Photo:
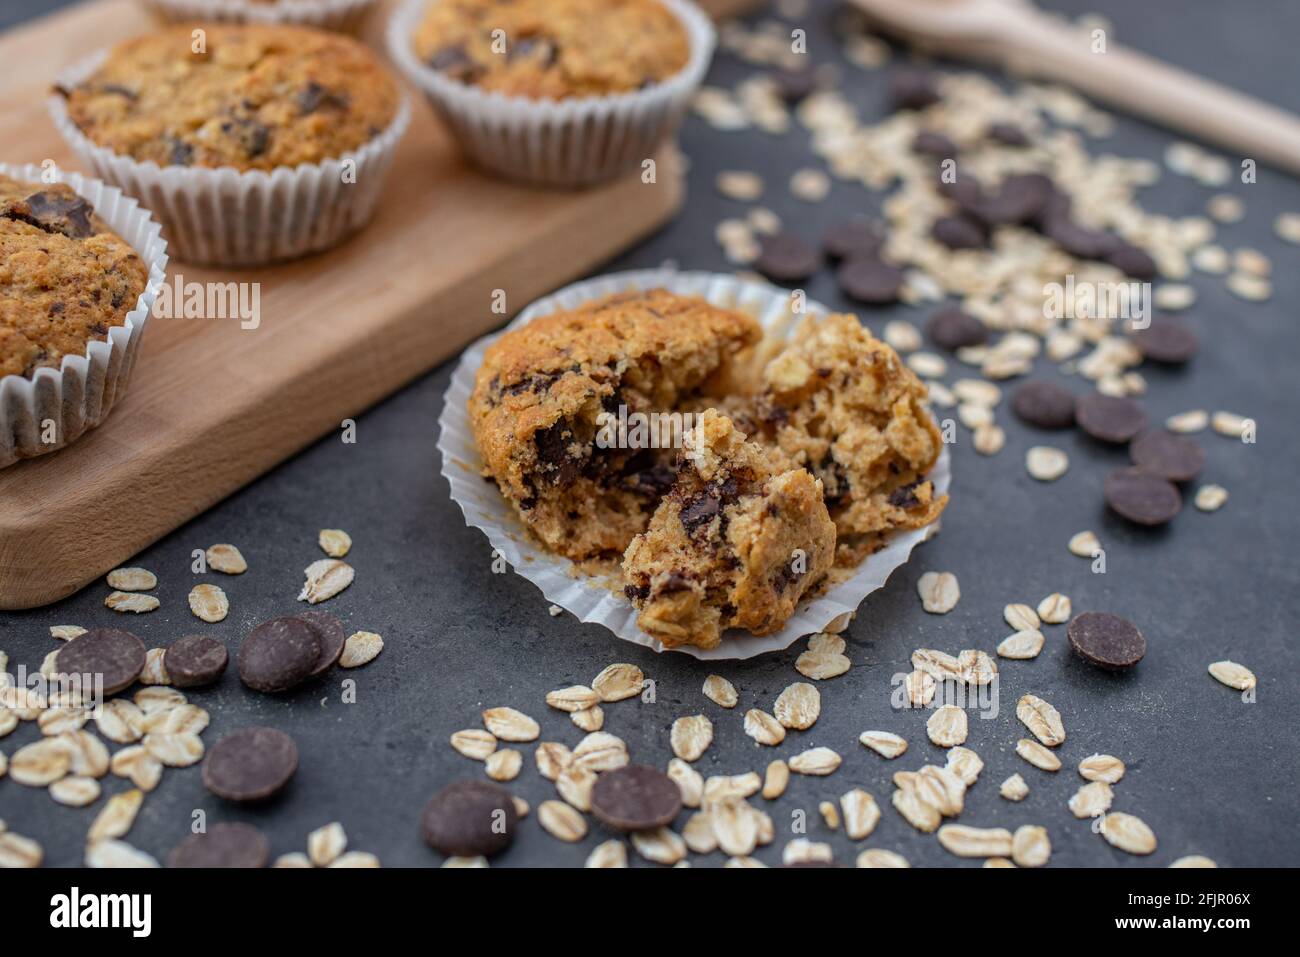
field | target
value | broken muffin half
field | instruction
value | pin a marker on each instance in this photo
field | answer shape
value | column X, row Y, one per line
column 734, row 543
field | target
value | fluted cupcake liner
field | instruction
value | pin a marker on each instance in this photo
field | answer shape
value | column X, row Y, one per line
column 572, row 142
column 591, row 600
column 81, row 392
column 230, row 217
column 342, row 15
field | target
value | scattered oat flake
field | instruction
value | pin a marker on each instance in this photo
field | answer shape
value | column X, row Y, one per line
column 1233, row 675
column 1021, row 646
column 226, row 559
column 361, row 648
column 1041, row 719
column 130, row 602
column 720, row 691
column 17, row 851
column 66, row 632
column 939, row 592
column 1128, row 833
column 764, row 728
column 947, row 727
column 618, row 681
column 571, row 699
column 920, row 688
column 691, row 736
column 507, row 724
column 552, row 758
column 823, row 662
column 474, row 743
column 75, row 790
column 739, row 185
column 1210, row 498
column 117, row 816
column 815, row 761
column 589, row 719
column 803, row 851
column 885, row 743
column 1037, row 755
column 562, row 821
column 1045, row 463
column 861, row 814
column 139, row 766
column 689, row 781
column 1187, row 423
column 325, row 579
column 334, row 542
column 879, row 857
column 1084, row 544
column 1197, row 860
column 504, row 765
column 555, row 611
column 1091, row 800
column 112, row 853
column 776, row 779
column 989, row 439
column 1231, row 424
column 209, row 603
column 1101, row 767
column 798, row 706
column 1020, row 617
column 132, row 579
column 1014, row 788
column 967, row 841
column 1030, row 846
column 601, row 751
column 468, row 863
column 40, row 763
column 356, row 860
column 1055, row 609
column 659, row 846
column 1287, row 227
column 175, row 750
column 326, row 843
column 612, row 853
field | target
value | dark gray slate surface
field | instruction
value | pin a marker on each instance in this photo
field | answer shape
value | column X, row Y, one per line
column 1209, row 773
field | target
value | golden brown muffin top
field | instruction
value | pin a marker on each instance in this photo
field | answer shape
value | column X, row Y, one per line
column 553, row 49
column 65, row 277
column 248, row 96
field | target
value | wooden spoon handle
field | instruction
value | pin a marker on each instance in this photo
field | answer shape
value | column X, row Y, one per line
column 1031, row 43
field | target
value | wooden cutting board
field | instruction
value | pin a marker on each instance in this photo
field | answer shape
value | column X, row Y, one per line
column 212, row 406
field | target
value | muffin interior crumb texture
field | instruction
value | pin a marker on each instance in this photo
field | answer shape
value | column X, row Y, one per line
column 65, row 278
column 553, row 49
column 244, row 96
column 758, row 466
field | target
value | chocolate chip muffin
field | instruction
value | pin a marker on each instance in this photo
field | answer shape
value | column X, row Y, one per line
column 549, row 396
column 253, row 97
column 841, row 403
column 553, row 49
column 735, row 543
column 65, row 277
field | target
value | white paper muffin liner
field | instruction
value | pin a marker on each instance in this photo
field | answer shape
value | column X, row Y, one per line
column 571, row 142
column 230, row 217
column 486, row 509
column 79, row 394
column 343, row 15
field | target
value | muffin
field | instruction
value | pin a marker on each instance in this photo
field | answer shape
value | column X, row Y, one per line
column 545, row 393
column 734, row 543
column 239, row 147
column 559, row 92
column 553, row 49
column 326, row 14
column 74, row 298
column 842, row 404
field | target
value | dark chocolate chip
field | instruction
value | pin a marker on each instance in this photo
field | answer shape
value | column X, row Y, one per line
column 929, row 143
column 1019, row 199
column 222, row 845
column 553, row 450
column 635, row 798
column 470, row 818
column 182, row 153
column 959, row 231
column 1078, row 240
column 1043, row 404
column 699, row 512
column 455, row 62
column 1109, row 418
column 250, row 764
column 537, row 48
column 794, row 85
column 1132, row 261
column 1142, row 497
column 118, row 656
column 1162, row 453
column 57, row 213
column 949, row 327
column 252, row 136
column 331, row 635
column 912, row 89
column 1106, row 640
column 1167, row 341
column 194, row 661
column 869, row 280
column 278, row 654
column 315, row 97
column 1008, row 134
column 785, row 258
column 850, row 238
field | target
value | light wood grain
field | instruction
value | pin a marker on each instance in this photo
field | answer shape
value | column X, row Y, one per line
column 212, row 406
column 1016, row 36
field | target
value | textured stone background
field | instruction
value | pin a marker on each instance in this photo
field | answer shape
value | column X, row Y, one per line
column 1209, row 774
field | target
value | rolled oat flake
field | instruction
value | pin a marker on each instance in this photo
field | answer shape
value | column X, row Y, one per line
column 636, row 798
